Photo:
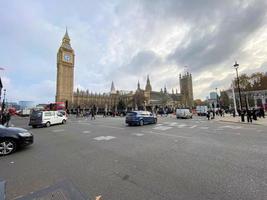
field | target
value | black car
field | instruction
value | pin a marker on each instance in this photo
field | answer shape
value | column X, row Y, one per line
column 12, row 138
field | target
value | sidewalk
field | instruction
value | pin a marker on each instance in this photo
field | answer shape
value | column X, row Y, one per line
column 237, row 119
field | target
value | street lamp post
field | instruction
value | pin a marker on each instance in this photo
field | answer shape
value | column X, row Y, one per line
column 240, row 99
column 216, row 97
column 4, row 100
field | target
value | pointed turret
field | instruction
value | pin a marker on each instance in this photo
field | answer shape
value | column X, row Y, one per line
column 66, row 41
column 66, row 36
column 138, row 86
column 112, row 90
column 148, row 85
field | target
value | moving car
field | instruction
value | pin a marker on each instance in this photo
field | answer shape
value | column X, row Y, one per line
column 12, row 138
column 183, row 113
column 202, row 110
column 46, row 118
column 140, row 118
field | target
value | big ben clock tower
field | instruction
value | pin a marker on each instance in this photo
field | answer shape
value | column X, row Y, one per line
column 65, row 71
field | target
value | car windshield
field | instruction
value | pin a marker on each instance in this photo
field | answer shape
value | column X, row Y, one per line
column 36, row 114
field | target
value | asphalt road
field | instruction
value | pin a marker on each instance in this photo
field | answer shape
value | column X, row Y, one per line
column 175, row 159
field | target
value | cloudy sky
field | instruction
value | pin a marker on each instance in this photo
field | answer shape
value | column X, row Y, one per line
column 124, row 41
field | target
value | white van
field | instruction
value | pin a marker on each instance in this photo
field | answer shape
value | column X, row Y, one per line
column 46, row 118
column 183, row 113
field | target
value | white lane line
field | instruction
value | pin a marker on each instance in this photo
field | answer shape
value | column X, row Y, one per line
column 193, row 126
column 86, row 131
column 138, row 134
column 106, row 138
column 204, row 127
column 159, row 124
column 166, row 134
column 162, row 128
column 112, row 127
column 181, row 125
column 58, row 130
column 231, row 127
column 170, row 135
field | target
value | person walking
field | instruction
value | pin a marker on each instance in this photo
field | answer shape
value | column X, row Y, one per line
column 249, row 119
column 92, row 114
column 208, row 115
column 3, row 121
column 8, row 117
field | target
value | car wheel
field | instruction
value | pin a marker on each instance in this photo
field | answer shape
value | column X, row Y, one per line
column 47, row 124
column 34, row 126
column 64, row 121
column 155, row 121
column 141, row 123
column 7, row 147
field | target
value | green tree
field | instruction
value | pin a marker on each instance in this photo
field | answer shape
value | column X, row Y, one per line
column 224, row 99
column 121, row 105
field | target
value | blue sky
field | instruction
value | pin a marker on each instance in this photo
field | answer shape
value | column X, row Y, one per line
column 124, row 41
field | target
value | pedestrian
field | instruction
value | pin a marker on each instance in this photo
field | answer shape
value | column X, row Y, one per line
column 208, row 115
column 3, row 121
column 92, row 114
column 262, row 114
column 254, row 116
column 249, row 119
column 8, row 117
column 213, row 114
column 233, row 113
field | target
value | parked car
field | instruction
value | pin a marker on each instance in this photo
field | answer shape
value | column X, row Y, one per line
column 140, row 118
column 183, row 113
column 46, row 118
column 12, row 138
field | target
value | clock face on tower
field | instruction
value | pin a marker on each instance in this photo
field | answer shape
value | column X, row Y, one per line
column 67, row 57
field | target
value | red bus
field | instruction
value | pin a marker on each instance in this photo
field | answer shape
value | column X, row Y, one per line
column 56, row 106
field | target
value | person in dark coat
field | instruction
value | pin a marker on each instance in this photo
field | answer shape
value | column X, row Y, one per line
column 249, row 119
column 208, row 115
column 8, row 117
column 254, row 115
column 3, row 121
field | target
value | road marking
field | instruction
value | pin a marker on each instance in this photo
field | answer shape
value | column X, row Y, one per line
column 166, row 134
column 104, row 138
column 112, row 127
column 86, row 131
column 181, row 125
column 170, row 135
column 58, row 130
column 231, row 127
column 204, row 127
column 162, row 128
column 172, row 123
column 138, row 134
column 193, row 126
column 159, row 124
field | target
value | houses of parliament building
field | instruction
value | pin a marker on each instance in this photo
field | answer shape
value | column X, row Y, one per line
column 139, row 99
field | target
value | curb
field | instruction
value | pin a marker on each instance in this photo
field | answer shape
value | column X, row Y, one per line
column 245, row 123
column 2, row 190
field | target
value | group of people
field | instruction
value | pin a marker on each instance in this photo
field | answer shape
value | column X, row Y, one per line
column 5, row 118
column 211, row 113
column 252, row 114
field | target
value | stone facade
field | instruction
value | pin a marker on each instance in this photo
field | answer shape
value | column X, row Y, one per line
column 139, row 99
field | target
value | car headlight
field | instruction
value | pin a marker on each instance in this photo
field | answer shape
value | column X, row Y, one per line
column 25, row 134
